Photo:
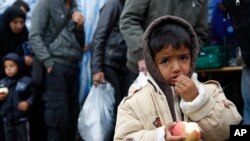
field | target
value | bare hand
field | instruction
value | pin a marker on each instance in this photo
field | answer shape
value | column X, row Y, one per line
column 28, row 60
column 78, row 18
column 3, row 96
column 186, row 88
column 85, row 48
column 49, row 70
column 23, row 106
column 98, row 78
column 142, row 66
column 169, row 137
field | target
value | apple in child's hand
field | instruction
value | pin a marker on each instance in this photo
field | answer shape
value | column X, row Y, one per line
column 190, row 130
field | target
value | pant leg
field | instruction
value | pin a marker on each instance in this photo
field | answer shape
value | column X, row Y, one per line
column 61, row 108
column 118, row 80
column 22, row 130
column 245, row 90
column 1, row 128
column 9, row 132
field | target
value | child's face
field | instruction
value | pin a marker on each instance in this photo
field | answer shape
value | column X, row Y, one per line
column 10, row 68
column 173, row 62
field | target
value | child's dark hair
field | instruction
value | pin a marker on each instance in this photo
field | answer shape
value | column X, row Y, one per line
column 167, row 34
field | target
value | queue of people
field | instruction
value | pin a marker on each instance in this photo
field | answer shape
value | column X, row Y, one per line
column 159, row 38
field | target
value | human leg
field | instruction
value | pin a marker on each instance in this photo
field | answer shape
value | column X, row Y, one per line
column 60, row 115
column 245, row 90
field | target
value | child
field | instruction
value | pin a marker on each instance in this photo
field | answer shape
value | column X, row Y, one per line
column 17, row 95
column 170, row 51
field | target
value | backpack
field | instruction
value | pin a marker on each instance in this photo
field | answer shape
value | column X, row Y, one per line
column 239, row 11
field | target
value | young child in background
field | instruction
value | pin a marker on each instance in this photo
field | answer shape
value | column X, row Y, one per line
column 17, row 95
column 171, row 94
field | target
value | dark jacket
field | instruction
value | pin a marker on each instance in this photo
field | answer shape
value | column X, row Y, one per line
column 239, row 13
column 20, row 89
column 109, row 47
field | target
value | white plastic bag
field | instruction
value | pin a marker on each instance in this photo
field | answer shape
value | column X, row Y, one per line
column 96, row 120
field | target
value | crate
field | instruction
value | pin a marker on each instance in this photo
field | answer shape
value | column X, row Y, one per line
column 211, row 57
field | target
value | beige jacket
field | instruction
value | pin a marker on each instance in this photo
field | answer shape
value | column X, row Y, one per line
column 138, row 113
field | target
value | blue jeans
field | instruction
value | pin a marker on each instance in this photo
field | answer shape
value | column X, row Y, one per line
column 245, row 90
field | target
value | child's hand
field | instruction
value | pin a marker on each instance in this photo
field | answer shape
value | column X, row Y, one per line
column 169, row 137
column 23, row 106
column 186, row 88
column 3, row 96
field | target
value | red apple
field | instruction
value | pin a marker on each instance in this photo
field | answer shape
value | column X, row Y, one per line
column 190, row 130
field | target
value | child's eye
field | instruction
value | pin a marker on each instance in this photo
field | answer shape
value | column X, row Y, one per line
column 164, row 61
column 184, row 58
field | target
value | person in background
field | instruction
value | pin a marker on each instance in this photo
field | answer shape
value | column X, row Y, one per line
column 109, row 51
column 239, row 11
column 171, row 93
column 17, row 100
column 13, row 32
column 138, row 14
column 55, row 41
column 91, row 11
column 22, row 5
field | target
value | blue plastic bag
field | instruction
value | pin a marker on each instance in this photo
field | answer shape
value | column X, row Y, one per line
column 96, row 120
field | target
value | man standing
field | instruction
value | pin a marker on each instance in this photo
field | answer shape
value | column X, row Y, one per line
column 239, row 12
column 138, row 14
column 55, row 26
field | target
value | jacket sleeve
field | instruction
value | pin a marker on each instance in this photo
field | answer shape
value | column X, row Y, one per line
column 129, row 127
column 108, row 17
column 131, row 28
column 39, row 20
column 216, row 115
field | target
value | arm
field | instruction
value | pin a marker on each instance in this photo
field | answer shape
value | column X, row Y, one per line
column 216, row 114
column 39, row 22
column 108, row 17
column 131, row 21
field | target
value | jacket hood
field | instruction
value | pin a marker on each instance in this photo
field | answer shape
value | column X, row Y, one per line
column 151, row 66
column 16, row 58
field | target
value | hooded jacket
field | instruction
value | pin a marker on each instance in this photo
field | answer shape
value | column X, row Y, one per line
column 143, row 115
column 20, row 89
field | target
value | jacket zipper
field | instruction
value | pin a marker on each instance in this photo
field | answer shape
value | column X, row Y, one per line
column 237, row 2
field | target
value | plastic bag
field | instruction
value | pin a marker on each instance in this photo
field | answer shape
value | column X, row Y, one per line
column 96, row 120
